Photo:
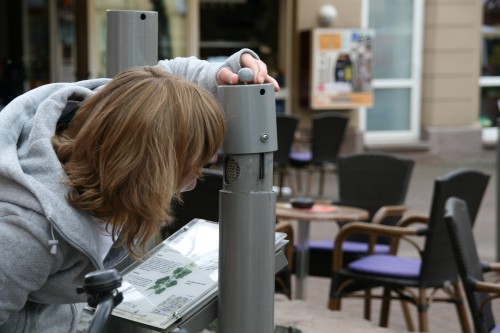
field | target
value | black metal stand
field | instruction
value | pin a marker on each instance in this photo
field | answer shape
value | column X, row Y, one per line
column 101, row 288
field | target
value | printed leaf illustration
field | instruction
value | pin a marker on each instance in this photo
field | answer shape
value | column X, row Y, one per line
column 181, row 272
column 159, row 291
column 163, row 283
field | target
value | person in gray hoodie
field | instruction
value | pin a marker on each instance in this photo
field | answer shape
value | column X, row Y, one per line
column 88, row 171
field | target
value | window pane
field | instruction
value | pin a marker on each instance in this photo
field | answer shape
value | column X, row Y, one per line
column 491, row 55
column 490, row 63
column 225, row 29
column 491, row 12
column 392, row 21
column 490, row 97
column 391, row 110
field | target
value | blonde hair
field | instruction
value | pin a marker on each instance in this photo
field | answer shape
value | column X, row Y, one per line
column 131, row 145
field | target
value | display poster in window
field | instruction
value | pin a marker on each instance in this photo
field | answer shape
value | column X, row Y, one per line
column 341, row 73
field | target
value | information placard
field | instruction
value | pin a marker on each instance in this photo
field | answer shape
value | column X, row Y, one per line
column 175, row 277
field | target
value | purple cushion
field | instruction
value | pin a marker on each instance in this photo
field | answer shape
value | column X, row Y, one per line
column 348, row 246
column 389, row 265
column 496, row 329
column 301, row 156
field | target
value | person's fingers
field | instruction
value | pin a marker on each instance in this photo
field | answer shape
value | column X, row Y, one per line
column 270, row 79
column 258, row 67
column 226, row 76
column 261, row 75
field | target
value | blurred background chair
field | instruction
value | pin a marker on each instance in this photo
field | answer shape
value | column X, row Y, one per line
column 373, row 181
column 286, row 125
column 471, row 270
column 327, row 135
column 409, row 279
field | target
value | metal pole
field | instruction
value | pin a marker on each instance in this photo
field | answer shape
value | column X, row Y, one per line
column 247, row 211
column 131, row 40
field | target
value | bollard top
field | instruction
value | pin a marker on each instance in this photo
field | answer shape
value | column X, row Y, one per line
column 245, row 75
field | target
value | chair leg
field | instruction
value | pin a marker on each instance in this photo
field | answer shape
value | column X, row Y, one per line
column 291, row 182
column 368, row 304
column 309, row 181
column 461, row 309
column 281, row 180
column 422, row 306
column 321, row 186
column 336, row 287
column 406, row 312
column 299, row 179
column 386, row 307
column 335, row 303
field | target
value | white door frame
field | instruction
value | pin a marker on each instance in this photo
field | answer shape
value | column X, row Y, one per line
column 414, row 83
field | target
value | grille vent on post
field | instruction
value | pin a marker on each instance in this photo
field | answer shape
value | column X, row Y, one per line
column 231, row 170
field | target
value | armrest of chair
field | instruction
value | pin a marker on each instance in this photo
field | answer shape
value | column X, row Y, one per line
column 488, row 287
column 490, row 266
column 493, row 289
column 412, row 219
column 394, row 232
column 386, row 211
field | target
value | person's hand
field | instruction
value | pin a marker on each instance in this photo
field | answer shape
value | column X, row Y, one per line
column 258, row 67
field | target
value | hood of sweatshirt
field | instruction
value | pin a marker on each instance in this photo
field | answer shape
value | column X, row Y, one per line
column 31, row 176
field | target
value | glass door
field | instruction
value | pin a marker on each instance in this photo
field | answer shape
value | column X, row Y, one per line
column 397, row 59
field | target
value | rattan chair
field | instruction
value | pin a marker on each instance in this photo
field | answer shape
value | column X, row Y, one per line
column 375, row 181
column 410, row 279
column 286, row 125
column 327, row 134
column 471, row 270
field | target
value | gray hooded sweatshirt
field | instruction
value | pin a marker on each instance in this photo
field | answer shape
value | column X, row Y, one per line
column 46, row 245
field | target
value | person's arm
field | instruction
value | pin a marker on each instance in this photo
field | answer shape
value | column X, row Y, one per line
column 210, row 75
column 25, row 265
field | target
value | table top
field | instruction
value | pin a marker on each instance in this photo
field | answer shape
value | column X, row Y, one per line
column 321, row 212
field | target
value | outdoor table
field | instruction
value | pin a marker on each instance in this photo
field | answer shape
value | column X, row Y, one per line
column 319, row 212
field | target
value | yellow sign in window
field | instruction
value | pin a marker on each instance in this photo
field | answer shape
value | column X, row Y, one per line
column 330, row 41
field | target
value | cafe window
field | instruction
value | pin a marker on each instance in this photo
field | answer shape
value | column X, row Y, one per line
column 489, row 83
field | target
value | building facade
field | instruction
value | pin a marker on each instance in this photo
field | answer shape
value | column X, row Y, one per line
column 435, row 82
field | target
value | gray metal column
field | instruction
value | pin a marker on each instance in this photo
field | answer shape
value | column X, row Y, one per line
column 247, row 211
column 131, row 40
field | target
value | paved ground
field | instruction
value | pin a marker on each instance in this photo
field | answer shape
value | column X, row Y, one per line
column 443, row 318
